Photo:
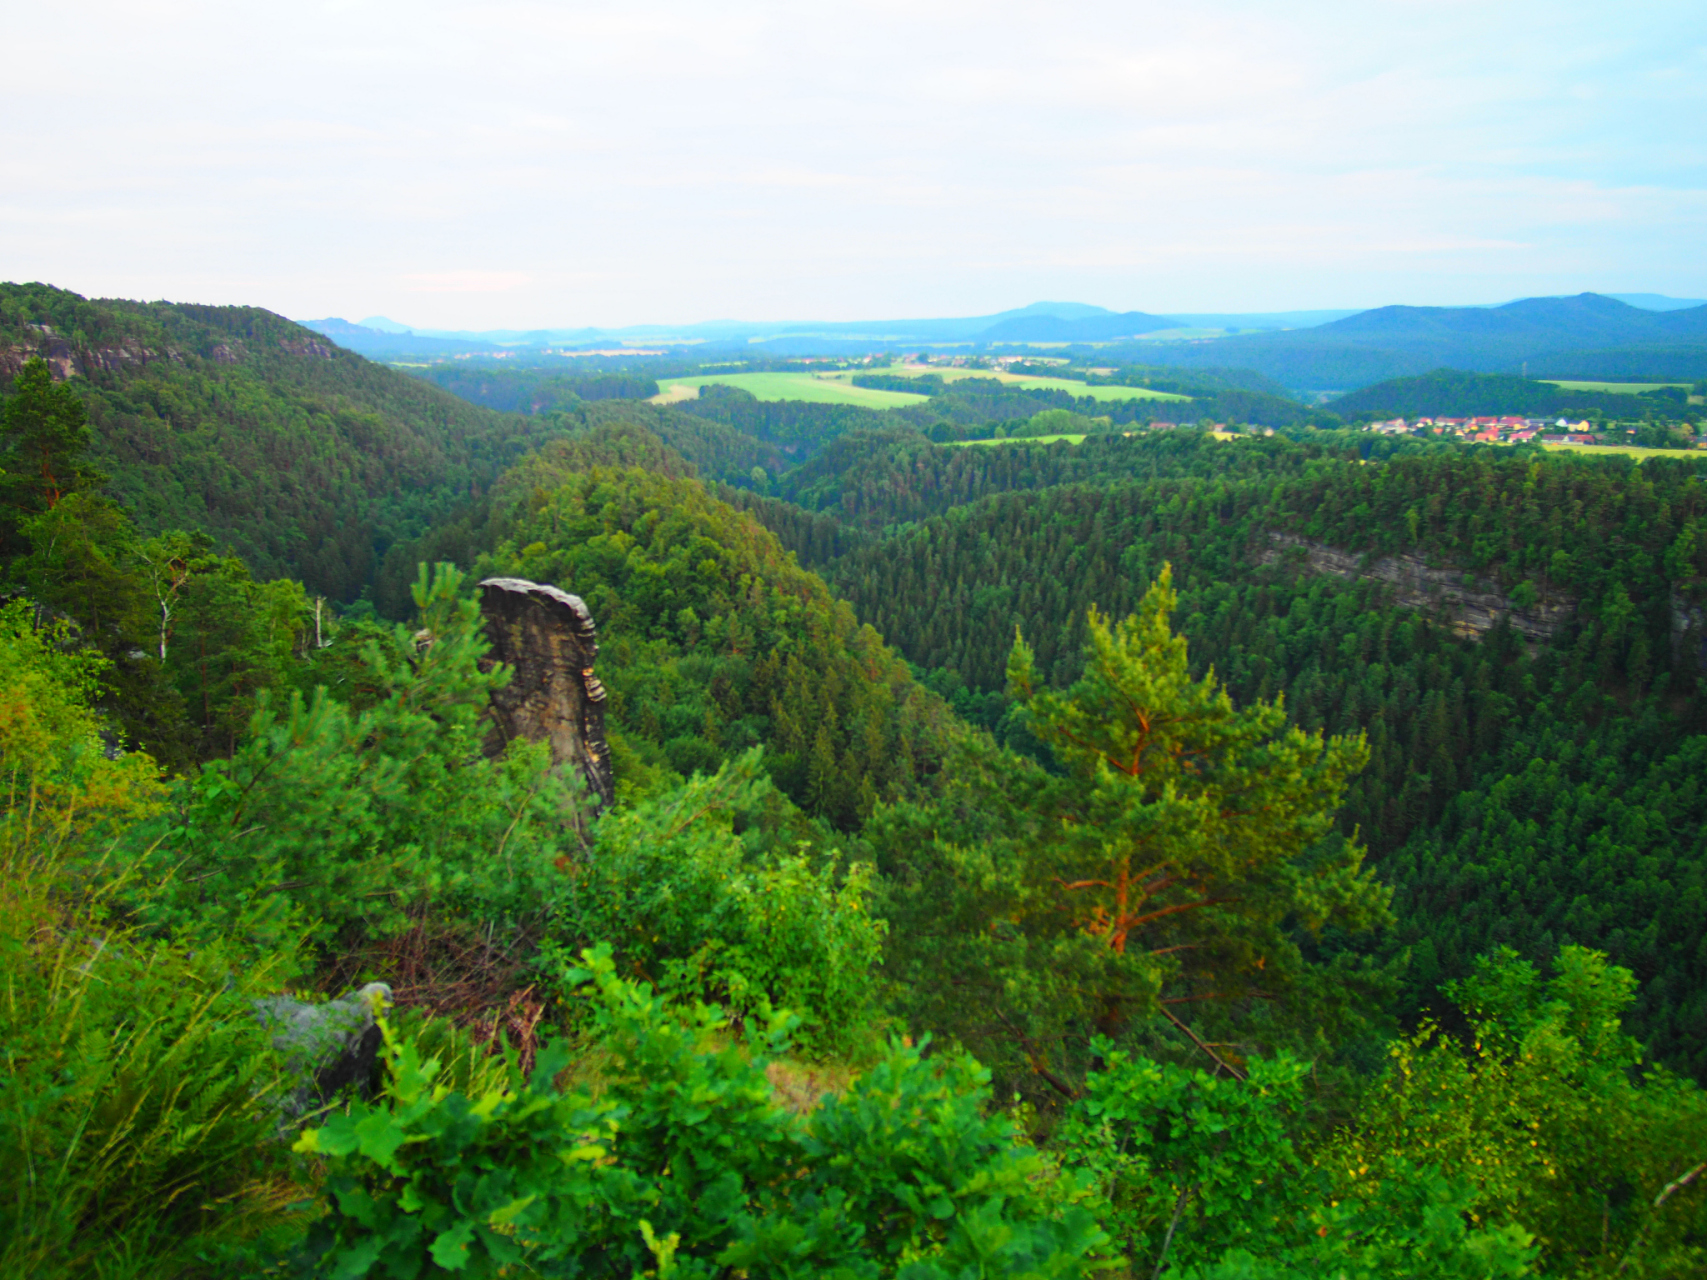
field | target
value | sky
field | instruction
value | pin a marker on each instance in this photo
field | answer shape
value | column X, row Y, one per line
column 501, row 164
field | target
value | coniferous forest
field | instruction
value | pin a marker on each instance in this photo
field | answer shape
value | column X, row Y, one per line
column 1216, row 855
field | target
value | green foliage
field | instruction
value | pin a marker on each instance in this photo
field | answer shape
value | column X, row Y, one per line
column 677, row 1163
column 303, row 459
column 709, row 914
column 1176, row 859
column 46, row 440
column 715, row 642
column 1494, row 759
column 1176, row 837
column 1173, row 802
column 1050, row 422
column 136, row 1088
column 342, row 817
column 1595, row 837
column 1200, row 1173
column 535, row 390
column 1540, row 1106
column 190, row 636
column 1454, row 393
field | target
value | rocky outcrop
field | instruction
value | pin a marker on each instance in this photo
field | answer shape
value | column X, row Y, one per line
column 1470, row 606
column 1689, row 622
column 548, row 636
column 311, row 348
column 67, row 360
column 328, row 1047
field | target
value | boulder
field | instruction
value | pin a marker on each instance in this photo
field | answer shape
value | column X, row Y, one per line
column 548, row 637
column 328, row 1047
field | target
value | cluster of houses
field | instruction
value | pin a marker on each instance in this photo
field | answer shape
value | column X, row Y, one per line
column 1494, row 430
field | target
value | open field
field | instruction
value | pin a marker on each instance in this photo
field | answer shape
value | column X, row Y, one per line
column 1615, row 388
column 1698, row 454
column 1075, row 439
column 1019, row 440
column 1029, row 383
column 787, row 386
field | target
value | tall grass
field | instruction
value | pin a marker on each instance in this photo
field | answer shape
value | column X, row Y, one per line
column 137, row 1126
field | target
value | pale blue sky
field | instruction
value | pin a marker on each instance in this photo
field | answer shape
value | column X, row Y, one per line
column 467, row 165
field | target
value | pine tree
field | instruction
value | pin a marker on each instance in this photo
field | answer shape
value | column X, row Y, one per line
column 1187, row 833
column 47, row 436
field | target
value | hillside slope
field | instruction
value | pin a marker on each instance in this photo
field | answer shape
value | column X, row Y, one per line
column 1451, row 392
column 1517, row 633
column 1394, row 342
column 304, row 458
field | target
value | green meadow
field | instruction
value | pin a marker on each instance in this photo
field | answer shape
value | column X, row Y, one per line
column 787, row 386
column 1615, row 388
column 838, row 388
column 1069, row 385
column 1070, row 439
column 1630, row 449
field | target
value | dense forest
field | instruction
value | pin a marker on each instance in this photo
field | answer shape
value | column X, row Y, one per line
column 1451, row 393
column 304, row 459
column 1221, row 858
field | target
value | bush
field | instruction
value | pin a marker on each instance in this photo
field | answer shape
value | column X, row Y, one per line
column 1545, row 1110
column 1199, row 1173
column 345, row 816
column 708, row 914
column 676, row 1163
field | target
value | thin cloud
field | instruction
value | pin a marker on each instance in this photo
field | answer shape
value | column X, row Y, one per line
column 466, row 281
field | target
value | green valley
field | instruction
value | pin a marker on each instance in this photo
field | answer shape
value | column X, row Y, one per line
column 1194, row 839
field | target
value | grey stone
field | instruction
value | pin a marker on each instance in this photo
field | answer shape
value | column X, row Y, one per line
column 328, row 1047
column 1470, row 607
column 548, row 637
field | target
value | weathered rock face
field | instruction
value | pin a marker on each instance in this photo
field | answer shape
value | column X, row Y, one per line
column 328, row 1047
column 1471, row 608
column 1689, row 622
column 68, row 361
column 548, row 636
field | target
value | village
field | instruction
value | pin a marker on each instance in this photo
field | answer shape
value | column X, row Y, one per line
column 1506, row 430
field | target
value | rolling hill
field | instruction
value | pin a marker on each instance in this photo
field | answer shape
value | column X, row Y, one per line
column 306, row 459
column 1450, row 392
column 1396, row 342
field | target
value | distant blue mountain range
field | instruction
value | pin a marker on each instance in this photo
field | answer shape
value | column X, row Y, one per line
column 1590, row 335
column 1040, row 322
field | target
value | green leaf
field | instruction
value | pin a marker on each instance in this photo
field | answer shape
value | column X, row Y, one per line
column 450, row 1248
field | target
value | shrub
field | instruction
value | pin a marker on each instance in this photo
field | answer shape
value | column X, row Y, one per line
column 679, row 1165
column 1199, row 1172
column 687, row 903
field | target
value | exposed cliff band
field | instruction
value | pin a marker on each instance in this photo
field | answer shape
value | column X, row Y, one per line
column 1471, row 608
column 548, row 637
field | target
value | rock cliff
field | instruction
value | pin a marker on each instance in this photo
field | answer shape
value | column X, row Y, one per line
column 68, row 360
column 1470, row 606
column 548, row 636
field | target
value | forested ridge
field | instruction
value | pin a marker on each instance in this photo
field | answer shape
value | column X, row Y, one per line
column 1221, row 859
column 306, row 460
column 1449, row 392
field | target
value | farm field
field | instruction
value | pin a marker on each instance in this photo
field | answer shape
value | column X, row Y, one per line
column 1070, row 439
column 1028, row 382
column 787, row 386
column 1076, row 439
column 1630, row 449
column 1614, row 388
